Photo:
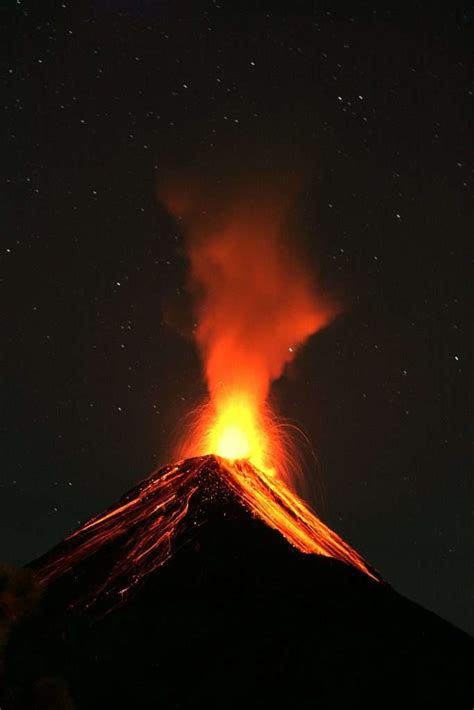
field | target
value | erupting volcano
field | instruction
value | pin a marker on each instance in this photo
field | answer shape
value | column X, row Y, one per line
column 255, row 305
column 241, row 596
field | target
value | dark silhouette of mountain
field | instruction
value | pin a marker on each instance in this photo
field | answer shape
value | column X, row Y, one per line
column 235, row 617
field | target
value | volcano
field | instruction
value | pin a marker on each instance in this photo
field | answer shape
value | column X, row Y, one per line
column 202, row 588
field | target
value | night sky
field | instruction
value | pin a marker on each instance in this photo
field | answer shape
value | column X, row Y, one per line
column 100, row 100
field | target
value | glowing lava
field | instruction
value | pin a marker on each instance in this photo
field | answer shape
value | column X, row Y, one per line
column 153, row 520
column 236, row 431
column 233, row 443
column 255, row 305
column 233, row 438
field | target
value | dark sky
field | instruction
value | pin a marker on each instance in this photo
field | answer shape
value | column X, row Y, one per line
column 99, row 101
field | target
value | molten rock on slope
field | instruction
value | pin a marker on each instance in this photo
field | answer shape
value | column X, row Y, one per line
column 236, row 617
column 161, row 513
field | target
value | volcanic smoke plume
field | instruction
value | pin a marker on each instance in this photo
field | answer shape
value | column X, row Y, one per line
column 256, row 304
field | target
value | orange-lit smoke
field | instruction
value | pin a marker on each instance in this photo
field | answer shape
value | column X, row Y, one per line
column 256, row 303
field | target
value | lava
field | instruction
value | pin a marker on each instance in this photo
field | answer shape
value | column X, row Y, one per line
column 153, row 519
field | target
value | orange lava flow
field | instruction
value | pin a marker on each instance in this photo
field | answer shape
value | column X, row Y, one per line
column 271, row 501
column 142, row 531
column 143, row 525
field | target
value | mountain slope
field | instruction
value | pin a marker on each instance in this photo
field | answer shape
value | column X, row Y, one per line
column 237, row 617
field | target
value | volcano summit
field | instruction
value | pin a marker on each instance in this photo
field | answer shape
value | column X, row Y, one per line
column 162, row 513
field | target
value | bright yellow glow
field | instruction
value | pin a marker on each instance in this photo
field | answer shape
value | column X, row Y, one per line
column 236, row 433
column 233, row 443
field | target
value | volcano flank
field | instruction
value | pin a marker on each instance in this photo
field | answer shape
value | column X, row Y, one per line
column 190, row 592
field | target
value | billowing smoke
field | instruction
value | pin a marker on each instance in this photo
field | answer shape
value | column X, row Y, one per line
column 256, row 303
